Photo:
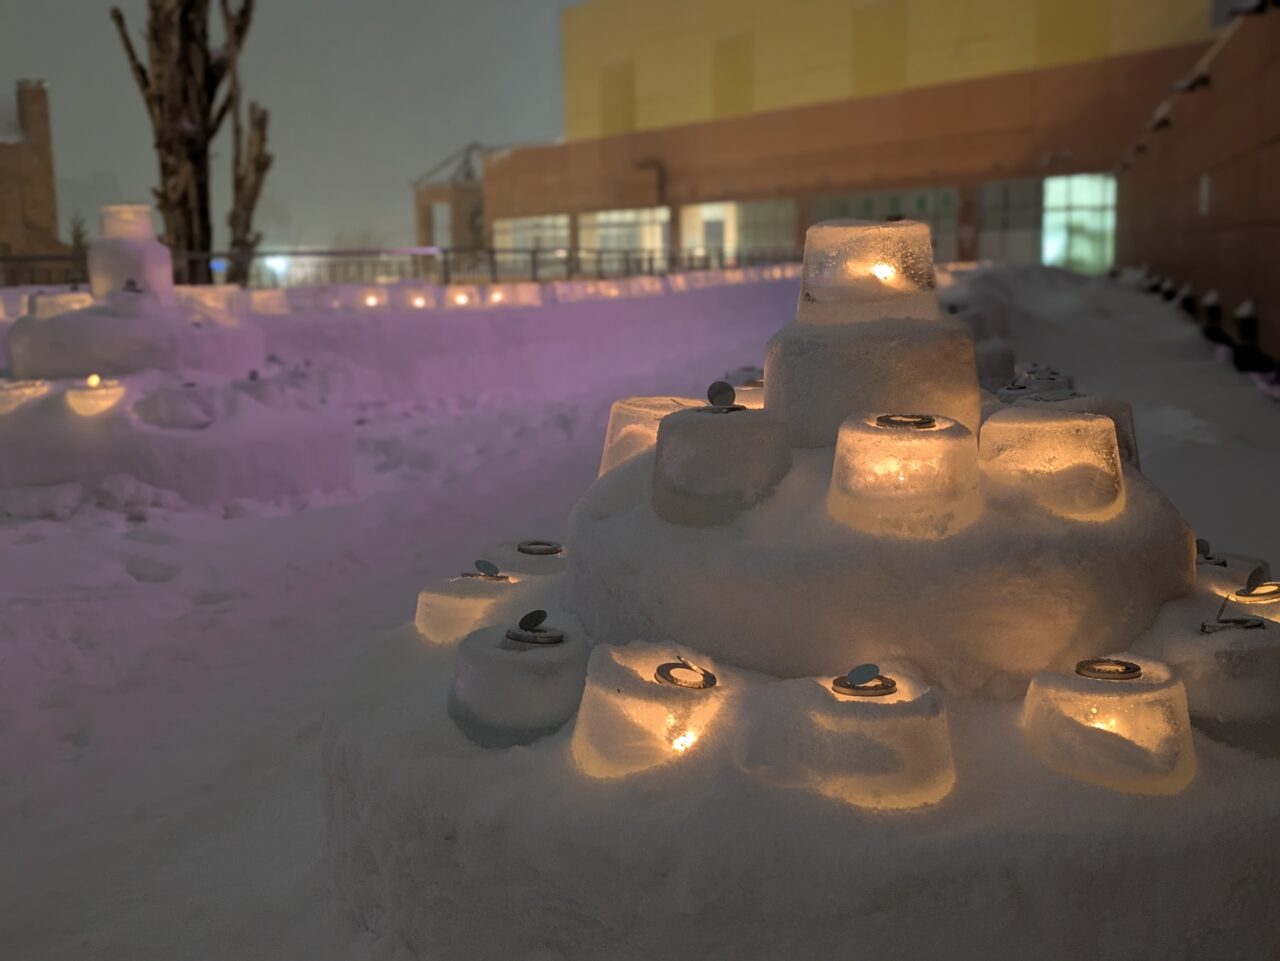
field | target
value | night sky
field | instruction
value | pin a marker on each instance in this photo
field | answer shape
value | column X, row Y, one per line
column 365, row 96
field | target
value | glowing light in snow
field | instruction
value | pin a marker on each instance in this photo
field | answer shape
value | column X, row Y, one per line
column 459, row 299
column 496, row 297
column 371, row 301
column 93, row 380
column 884, row 272
column 684, row 741
column 419, row 301
column 95, row 397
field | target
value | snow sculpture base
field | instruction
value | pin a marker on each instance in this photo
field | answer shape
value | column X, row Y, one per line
column 205, row 440
column 1017, row 590
column 127, row 334
column 458, row 852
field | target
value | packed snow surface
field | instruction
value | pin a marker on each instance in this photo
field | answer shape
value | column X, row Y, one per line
column 164, row 680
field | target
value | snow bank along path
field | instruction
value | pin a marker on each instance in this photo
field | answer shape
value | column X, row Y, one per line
column 161, row 681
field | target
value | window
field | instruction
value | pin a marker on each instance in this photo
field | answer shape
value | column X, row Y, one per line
column 640, row 229
column 1059, row 221
column 1079, row 224
column 739, row 227
column 547, row 232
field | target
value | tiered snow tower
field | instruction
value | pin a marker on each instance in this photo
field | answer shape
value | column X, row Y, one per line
column 867, row 511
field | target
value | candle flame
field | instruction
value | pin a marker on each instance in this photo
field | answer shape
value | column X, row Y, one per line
column 419, row 301
column 459, row 299
column 884, row 272
column 371, row 301
column 93, row 380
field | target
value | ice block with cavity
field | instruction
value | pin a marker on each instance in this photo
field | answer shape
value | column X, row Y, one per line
column 1065, row 461
column 1121, row 722
column 888, row 751
column 647, row 705
column 905, row 475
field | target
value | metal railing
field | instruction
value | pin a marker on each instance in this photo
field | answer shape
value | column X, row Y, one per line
column 441, row 265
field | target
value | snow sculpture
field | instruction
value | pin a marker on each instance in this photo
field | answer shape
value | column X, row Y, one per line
column 128, row 257
column 877, row 741
column 136, row 319
column 726, row 564
column 517, row 685
column 804, row 538
column 1120, row 722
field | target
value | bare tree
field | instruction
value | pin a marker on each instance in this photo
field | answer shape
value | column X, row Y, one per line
column 180, row 85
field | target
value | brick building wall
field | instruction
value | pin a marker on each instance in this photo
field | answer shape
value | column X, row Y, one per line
column 28, row 196
column 1201, row 202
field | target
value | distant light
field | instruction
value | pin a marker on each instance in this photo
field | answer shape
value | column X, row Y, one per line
column 562, row 253
column 93, row 380
column 371, row 301
column 419, row 301
column 459, row 299
column 496, row 297
column 884, row 272
column 277, row 264
column 219, row 265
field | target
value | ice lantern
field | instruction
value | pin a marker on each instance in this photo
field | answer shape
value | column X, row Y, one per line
column 518, row 685
column 1120, row 722
column 868, row 335
column 644, row 705
column 905, row 475
column 714, row 462
column 873, row 740
column 127, row 256
column 865, row 269
column 1067, row 462
column 450, row 610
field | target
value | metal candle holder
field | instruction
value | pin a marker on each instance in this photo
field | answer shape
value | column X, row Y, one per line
column 530, row 630
column 540, row 548
column 666, row 674
column 865, row 680
column 1108, row 669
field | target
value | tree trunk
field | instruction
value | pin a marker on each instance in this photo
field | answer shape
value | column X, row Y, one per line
column 179, row 85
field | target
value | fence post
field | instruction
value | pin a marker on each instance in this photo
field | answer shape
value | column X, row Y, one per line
column 533, row 265
column 444, row 266
column 493, row 266
column 626, row 263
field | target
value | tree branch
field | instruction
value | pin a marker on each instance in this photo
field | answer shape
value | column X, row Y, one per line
column 140, row 75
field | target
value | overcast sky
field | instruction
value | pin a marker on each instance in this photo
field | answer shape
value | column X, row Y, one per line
column 365, row 95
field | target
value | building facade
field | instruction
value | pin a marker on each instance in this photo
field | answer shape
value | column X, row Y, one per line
column 28, row 194
column 734, row 124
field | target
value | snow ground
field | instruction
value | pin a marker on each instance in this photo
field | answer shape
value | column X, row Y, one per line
column 162, row 683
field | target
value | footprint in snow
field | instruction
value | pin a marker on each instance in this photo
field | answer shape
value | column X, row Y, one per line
column 149, row 570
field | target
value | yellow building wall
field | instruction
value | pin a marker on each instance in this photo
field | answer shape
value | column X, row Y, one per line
column 631, row 65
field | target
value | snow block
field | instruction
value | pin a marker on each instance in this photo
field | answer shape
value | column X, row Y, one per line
column 633, row 426
column 816, row 376
column 647, row 706
column 1131, row 734
column 889, row 752
column 127, row 255
column 905, row 475
column 507, row 691
column 859, row 270
column 1119, row 411
column 1066, row 462
column 711, row 464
